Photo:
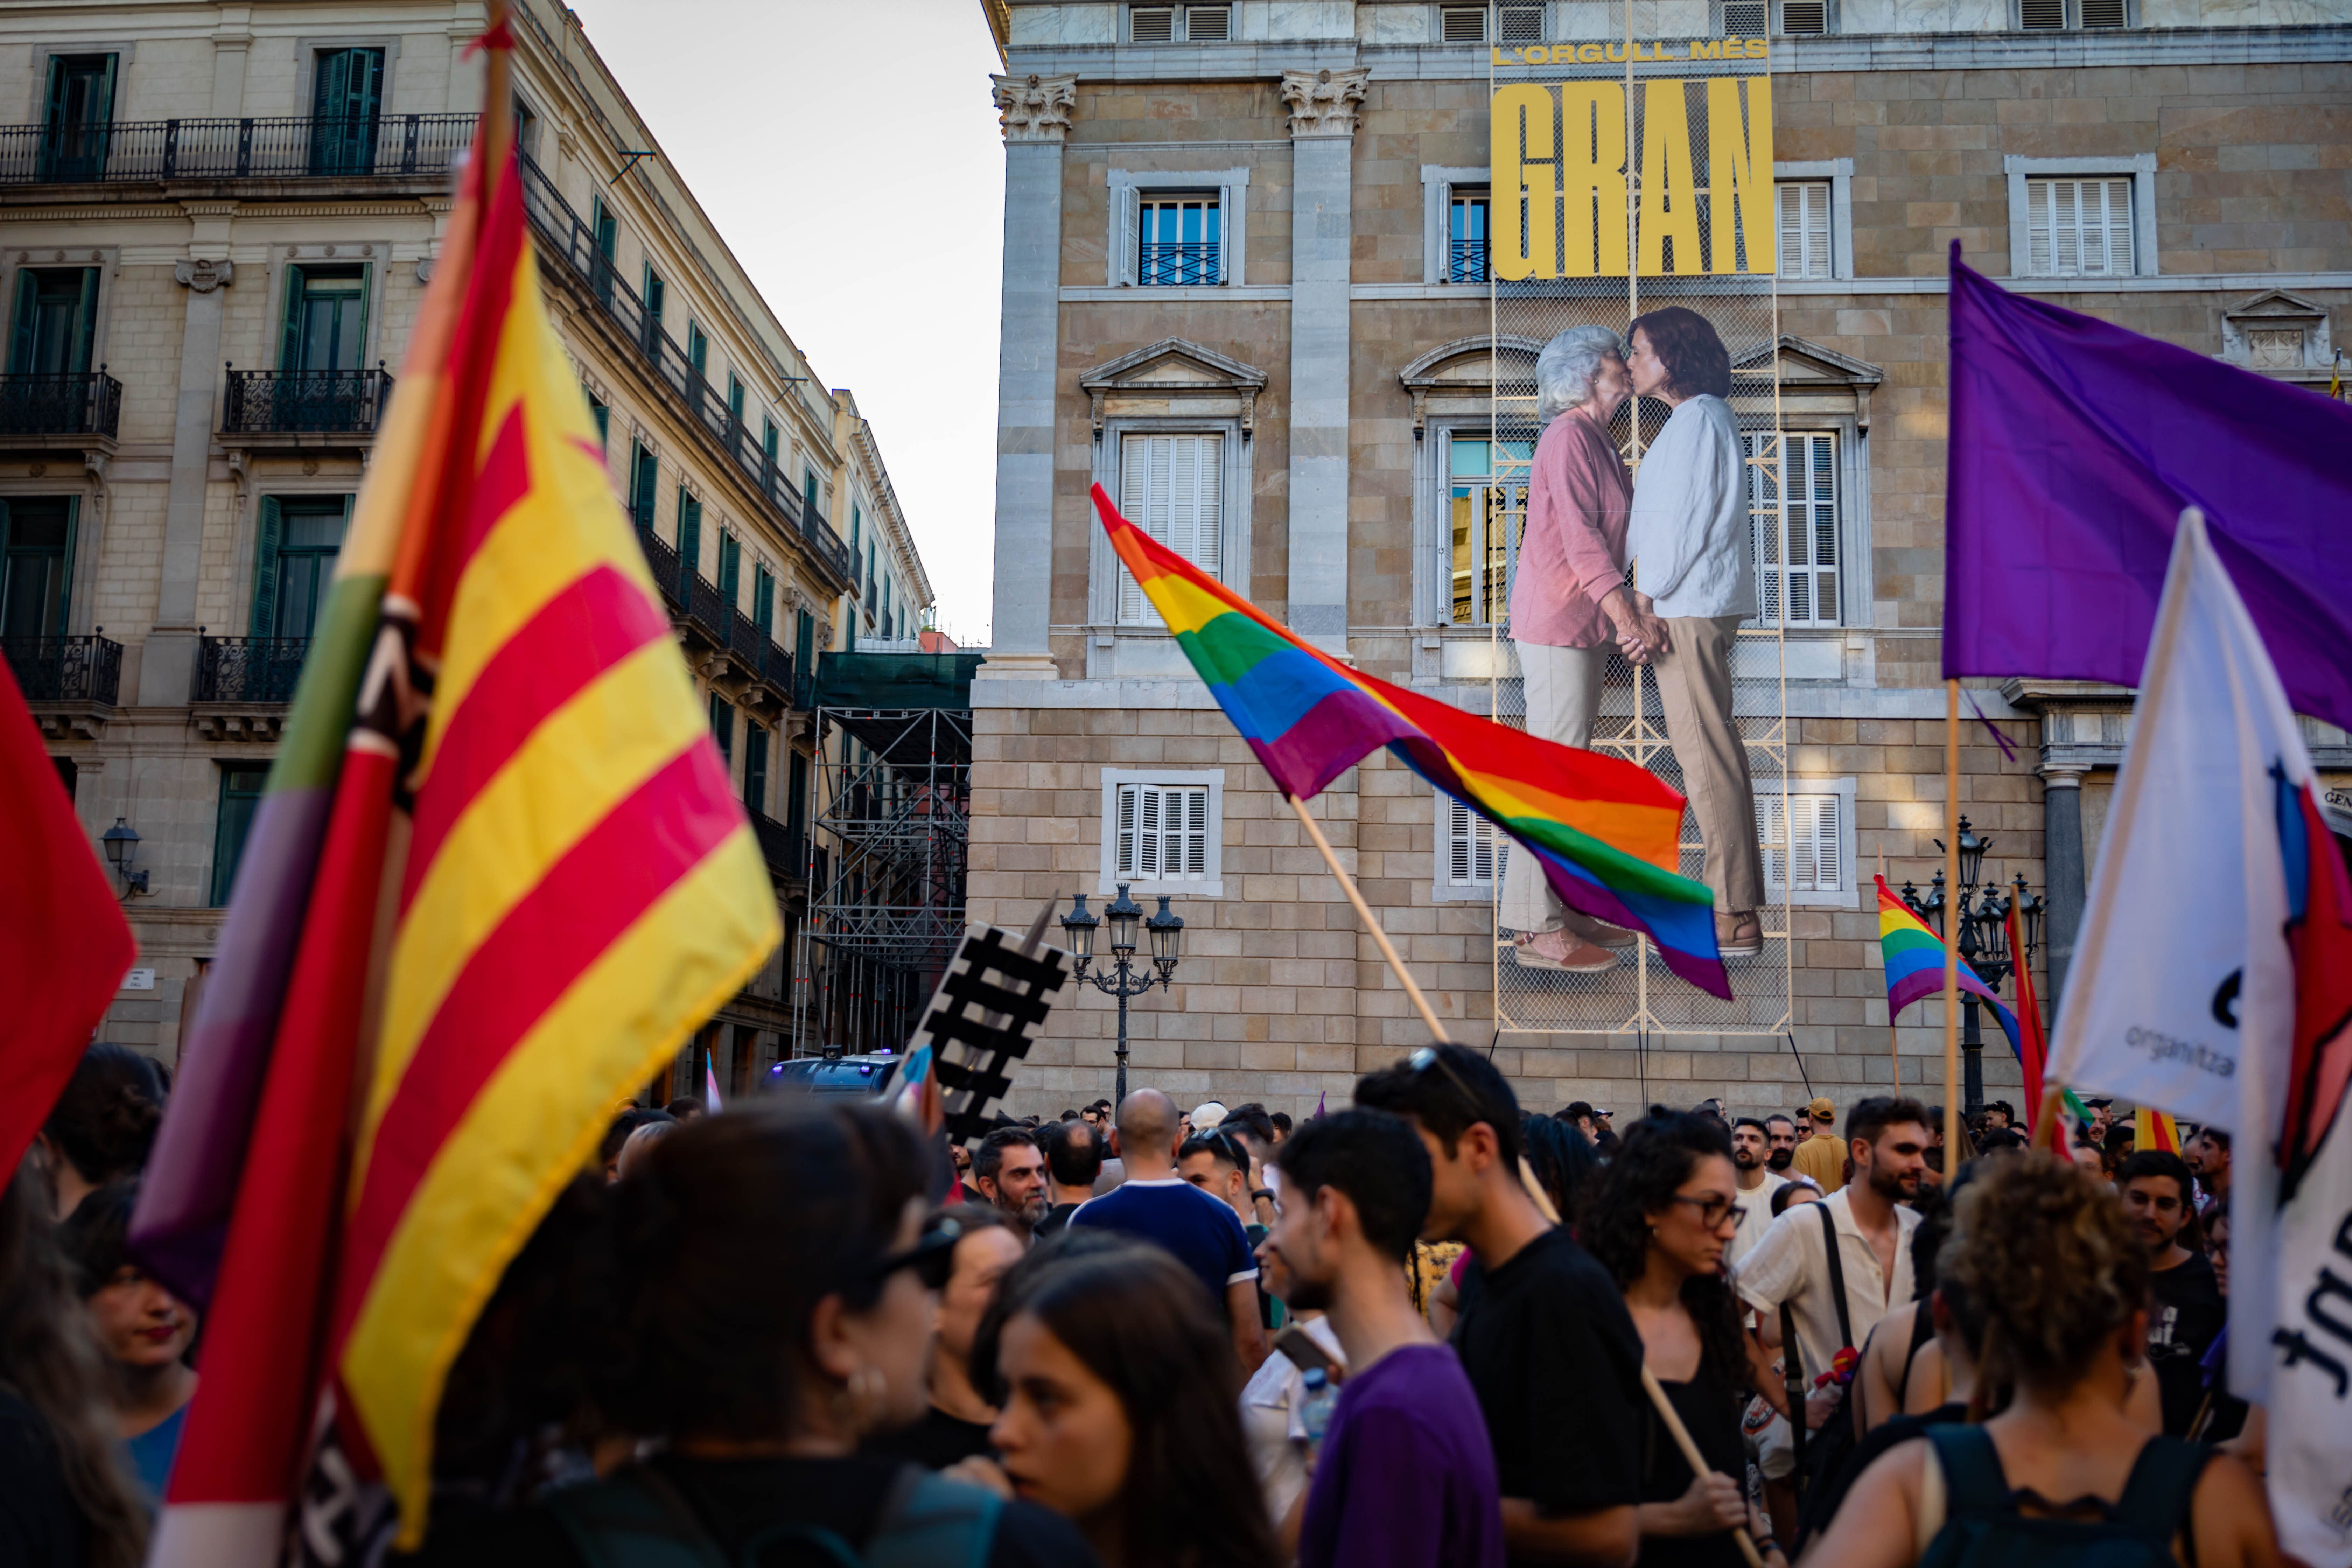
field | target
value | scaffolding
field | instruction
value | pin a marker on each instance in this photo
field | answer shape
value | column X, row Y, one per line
column 890, row 842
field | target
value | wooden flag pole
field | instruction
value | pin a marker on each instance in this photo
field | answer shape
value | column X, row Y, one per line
column 1952, row 923
column 1691, row 1456
column 1364, row 914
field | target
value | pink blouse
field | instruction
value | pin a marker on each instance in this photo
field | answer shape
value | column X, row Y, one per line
column 1573, row 551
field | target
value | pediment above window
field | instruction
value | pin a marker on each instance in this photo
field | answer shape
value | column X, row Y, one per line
column 2277, row 334
column 1174, row 376
column 1813, row 380
column 1462, row 377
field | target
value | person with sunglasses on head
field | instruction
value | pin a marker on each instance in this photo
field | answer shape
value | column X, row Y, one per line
column 1544, row 1336
column 1221, row 1164
column 774, row 1315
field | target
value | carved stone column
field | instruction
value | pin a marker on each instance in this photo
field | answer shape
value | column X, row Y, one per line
column 1323, row 126
column 167, row 663
column 1037, row 116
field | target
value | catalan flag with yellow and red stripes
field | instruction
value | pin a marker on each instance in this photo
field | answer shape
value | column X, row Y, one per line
column 580, row 889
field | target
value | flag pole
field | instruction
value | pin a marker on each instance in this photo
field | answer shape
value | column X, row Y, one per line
column 1951, row 919
column 1692, row 1457
column 1364, row 914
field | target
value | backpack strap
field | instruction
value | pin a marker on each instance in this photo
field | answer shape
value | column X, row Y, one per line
column 2158, row 1492
column 1837, row 1272
column 930, row 1521
column 1974, row 1481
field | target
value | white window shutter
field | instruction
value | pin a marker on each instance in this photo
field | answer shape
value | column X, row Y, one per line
column 1764, row 525
column 1128, row 802
column 1804, row 225
column 1172, row 487
column 1474, row 850
column 2041, row 212
column 1806, row 855
column 1772, row 837
column 2120, row 260
column 1148, row 835
column 1130, row 243
column 1196, row 833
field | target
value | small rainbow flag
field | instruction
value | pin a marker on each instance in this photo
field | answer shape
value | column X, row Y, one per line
column 1607, row 833
column 1915, row 964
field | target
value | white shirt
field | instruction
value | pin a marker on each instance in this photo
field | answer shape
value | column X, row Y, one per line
column 1755, row 1221
column 1689, row 527
column 1273, row 1423
column 1791, row 1265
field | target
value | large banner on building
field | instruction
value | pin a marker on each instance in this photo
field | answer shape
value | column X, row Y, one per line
column 1672, row 175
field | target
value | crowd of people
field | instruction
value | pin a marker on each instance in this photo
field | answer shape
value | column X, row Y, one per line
column 1427, row 1329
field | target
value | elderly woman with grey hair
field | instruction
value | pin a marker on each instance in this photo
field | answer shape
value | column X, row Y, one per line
column 1570, row 606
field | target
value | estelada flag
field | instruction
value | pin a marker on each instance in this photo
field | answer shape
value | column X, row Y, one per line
column 581, row 891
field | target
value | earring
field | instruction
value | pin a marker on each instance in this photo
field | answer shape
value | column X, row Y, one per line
column 867, row 1389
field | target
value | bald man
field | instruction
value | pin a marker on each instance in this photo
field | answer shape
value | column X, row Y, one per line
column 1155, row 1205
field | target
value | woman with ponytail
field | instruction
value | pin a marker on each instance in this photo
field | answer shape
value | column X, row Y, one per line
column 102, row 1125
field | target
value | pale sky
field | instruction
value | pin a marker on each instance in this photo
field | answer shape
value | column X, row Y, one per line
column 849, row 154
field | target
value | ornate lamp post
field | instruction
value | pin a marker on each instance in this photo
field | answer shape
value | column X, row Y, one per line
column 1125, row 978
column 1984, row 946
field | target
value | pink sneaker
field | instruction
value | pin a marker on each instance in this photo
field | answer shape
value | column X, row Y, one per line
column 1559, row 950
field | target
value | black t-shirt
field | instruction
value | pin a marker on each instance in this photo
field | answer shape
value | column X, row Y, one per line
column 736, row 1498
column 1557, row 1365
column 2189, row 1311
column 935, row 1442
column 1055, row 1218
column 1710, row 1412
column 40, row 1525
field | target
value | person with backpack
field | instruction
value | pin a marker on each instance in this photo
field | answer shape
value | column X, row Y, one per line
column 2044, row 1257
column 774, row 1313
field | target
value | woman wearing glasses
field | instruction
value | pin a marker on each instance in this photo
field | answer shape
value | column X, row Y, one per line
column 1658, row 1217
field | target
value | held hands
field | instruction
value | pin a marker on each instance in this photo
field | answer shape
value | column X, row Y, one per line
column 1714, row 1503
column 1640, row 635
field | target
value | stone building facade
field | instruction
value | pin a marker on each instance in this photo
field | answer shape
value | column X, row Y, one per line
column 216, row 228
column 1318, row 350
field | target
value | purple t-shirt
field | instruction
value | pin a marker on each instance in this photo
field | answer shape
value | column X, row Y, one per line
column 1406, row 1479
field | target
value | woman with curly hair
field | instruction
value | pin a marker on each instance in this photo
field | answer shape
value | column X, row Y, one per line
column 1658, row 1217
column 2053, row 1271
column 102, row 1126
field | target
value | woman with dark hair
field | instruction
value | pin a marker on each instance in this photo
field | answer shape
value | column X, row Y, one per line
column 1563, row 1159
column 102, row 1125
column 1659, row 1218
column 777, row 1301
column 142, row 1329
column 1697, row 582
column 64, row 1499
column 1120, row 1399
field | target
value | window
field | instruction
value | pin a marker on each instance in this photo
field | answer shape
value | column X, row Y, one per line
column 1178, row 240
column 55, row 321
column 346, row 101
column 1521, row 25
column 763, row 601
column 294, row 562
column 240, row 793
column 722, row 727
column 2060, row 16
column 1172, row 487
column 1793, row 525
column 1208, row 24
column 1805, row 16
column 526, row 128
column 1463, row 24
column 1487, row 487
column 1465, row 237
column 604, row 232
column 795, row 793
column 2079, row 228
column 755, row 767
column 1808, row 854
column 809, row 511
column 1746, row 19
column 1804, row 223
column 656, row 295
column 36, row 546
column 770, row 439
column 734, row 404
column 804, row 644
column 75, row 128
column 689, row 531
column 1470, row 852
column 697, row 349
column 601, row 412
column 644, row 474
column 1164, row 829
column 1152, row 23
column 326, row 319
column 730, row 567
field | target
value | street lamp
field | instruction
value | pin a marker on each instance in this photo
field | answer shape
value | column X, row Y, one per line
column 122, row 842
column 1123, row 979
column 1982, row 921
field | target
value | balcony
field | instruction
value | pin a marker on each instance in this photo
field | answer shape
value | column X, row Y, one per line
column 1180, row 263
column 81, row 409
column 565, row 239
column 781, row 847
column 72, row 683
column 1466, row 261
column 304, row 408
column 245, row 671
column 393, row 146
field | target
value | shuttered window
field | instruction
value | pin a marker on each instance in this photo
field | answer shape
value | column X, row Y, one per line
column 1172, row 487
column 2079, row 228
column 1808, row 852
column 1162, row 832
column 1471, row 853
column 1792, row 519
column 1804, row 223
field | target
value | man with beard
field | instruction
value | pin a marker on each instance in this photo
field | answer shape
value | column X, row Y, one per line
column 1010, row 1170
column 2186, row 1310
column 1781, row 1139
column 2209, row 1156
column 1750, row 1146
column 1871, row 1227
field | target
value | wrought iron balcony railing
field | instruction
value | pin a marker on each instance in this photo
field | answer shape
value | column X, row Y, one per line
column 705, row 610
column 389, row 146
column 66, row 670
column 563, row 236
column 663, row 558
column 249, row 669
column 781, row 847
column 1466, row 261
column 88, row 403
column 306, row 402
column 1174, row 263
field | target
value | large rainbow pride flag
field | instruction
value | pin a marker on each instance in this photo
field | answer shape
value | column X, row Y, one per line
column 1915, row 964
column 1607, row 833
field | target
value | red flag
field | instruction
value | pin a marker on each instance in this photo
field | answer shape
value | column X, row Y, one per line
column 64, row 944
column 2032, row 1045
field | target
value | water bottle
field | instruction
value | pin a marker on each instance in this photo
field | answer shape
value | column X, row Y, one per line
column 1317, row 1398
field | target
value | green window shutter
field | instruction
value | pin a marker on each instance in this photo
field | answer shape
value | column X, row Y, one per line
column 603, row 415
column 755, row 767
column 804, row 646
column 856, row 524
column 265, row 568
column 27, row 318
column 722, row 727
column 796, row 792
column 690, row 532
column 240, row 794
column 85, row 341
column 764, row 602
column 769, row 437
column 645, row 477
column 730, row 568
column 290, row 350
column 697, row 349
column 808, row 497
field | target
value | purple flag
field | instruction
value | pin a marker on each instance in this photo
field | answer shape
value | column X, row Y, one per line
column 2074, row 447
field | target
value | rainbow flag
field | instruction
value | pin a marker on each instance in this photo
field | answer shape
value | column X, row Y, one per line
column 1607, row 833
column 2155, row 1130
column 1915, row 964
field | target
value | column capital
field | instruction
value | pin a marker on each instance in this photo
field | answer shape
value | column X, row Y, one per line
column 1035, row 108
column 2063, row 775
column 1323, row 103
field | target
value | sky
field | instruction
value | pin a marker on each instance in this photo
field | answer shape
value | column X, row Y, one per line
column 850, row 157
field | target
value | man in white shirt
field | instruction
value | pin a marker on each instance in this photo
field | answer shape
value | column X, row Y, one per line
column 1751, row 1147
column 1888, row 1138
column 1689, row 536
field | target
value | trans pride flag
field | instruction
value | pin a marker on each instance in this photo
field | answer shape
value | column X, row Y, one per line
column 1915, row 964
column 1607, row 833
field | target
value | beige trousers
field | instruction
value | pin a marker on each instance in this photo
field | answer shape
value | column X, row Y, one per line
column 1563, row 694
column 1694, row 684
